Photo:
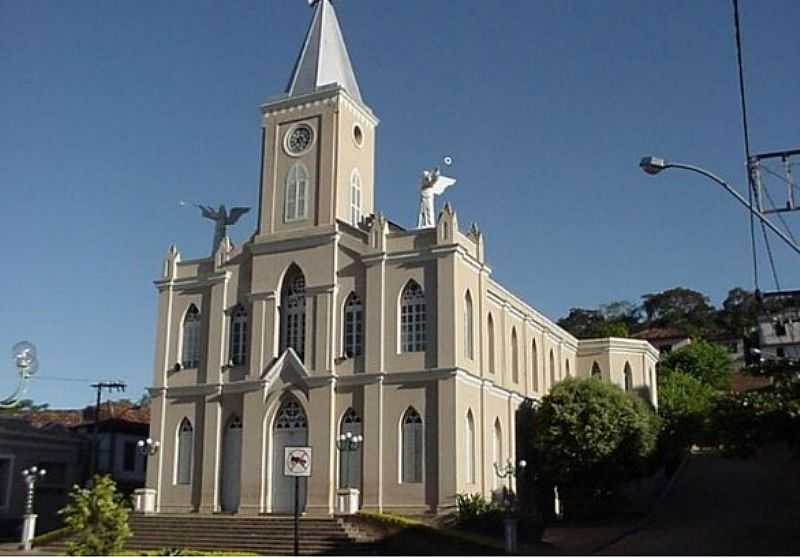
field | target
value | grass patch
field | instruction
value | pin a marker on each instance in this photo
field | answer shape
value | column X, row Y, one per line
column 186, row 552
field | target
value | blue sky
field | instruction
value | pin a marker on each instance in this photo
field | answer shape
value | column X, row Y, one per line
column 111, row 112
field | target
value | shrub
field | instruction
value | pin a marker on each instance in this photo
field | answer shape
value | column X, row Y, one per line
column 98, row 518
column 685, row 406
column 591, row 436
column 706, row 361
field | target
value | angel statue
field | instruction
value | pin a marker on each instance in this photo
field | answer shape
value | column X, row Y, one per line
column 221, row 219
column 433, row 184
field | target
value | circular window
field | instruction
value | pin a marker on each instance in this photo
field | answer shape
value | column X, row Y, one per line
column 358, row 135
column 299, row 139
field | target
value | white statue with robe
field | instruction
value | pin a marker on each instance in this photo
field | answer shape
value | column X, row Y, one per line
column 433, row 184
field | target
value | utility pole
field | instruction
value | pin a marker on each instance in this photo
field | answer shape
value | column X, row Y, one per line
column 100, row 386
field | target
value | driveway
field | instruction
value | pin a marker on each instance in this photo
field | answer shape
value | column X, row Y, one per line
column 724, row 506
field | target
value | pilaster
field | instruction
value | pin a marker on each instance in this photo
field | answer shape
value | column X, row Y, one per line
column 253, row 452
column 372, row 497
column 212, row 444
column 321, row 433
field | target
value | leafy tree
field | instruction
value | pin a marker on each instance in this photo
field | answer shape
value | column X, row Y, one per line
column 582, row 323
column 751, row 420
column 705, row 361
column 622, row 311
column 98, row 518
column 679, row 307
column 684, row 405
column 590, row 436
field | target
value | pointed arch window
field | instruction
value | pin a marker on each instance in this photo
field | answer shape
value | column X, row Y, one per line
column 469, row 336
column 183, row 467
column 411, row 447
column 355, row 198
column 628, row 377
column 552, row 369
column 412, row 319
column 190, row 347
column 596, row 372
column 296, row 192
column 490, row 335
column 293, row 312
column 514, row 356
column 238, row 348
column 353, row 326
column 350, row 462
column 469, row 449
column 497, row 451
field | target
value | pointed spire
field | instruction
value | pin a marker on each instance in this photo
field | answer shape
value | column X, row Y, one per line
column 323, row 59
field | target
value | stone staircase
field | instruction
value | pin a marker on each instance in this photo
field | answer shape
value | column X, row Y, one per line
column 265, row 535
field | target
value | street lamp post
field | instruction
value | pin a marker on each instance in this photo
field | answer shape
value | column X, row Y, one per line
column 30, row 477
column 148, row 446
column 348, row 496
column 144, row 499
column 506, row 472
column 27, row 363
column 654, row 165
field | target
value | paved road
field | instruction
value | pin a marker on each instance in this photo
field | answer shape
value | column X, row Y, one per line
column 721, row 506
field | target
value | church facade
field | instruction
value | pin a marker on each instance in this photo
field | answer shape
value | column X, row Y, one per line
column 331, row 319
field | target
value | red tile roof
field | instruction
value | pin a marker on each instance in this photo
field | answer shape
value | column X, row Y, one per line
column 660, row 333
column 109, row 410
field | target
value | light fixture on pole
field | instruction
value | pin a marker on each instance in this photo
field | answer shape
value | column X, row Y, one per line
column 148, row 446
column 347, row 444
column 25, row 360
column 654, row 165
column 30, row 476
column 509, row 523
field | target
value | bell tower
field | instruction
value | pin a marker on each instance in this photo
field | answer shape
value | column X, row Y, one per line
column 318, row 139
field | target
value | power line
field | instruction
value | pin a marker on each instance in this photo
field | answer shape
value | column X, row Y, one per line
column 751, row 186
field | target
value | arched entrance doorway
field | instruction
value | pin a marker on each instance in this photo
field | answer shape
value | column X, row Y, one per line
column 232, row 464
column 290, row 428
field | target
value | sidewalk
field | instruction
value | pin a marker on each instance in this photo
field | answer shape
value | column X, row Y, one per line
column 12, row 549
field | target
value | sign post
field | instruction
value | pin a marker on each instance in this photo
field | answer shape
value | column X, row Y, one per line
column 297, row 463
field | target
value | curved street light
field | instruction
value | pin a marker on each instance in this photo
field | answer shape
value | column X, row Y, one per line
column 654, row 165
column 27, row 363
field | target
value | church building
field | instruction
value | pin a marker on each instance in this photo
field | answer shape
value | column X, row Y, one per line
column 330, row 319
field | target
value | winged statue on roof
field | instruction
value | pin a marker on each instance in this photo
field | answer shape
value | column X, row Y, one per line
column 222, row 219
column 433, row 184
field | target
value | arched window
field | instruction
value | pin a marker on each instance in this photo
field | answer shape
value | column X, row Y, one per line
column 535, row 363
column 596, row 373
column 412, row 318
column 628, row 377
column 350, row 462
column 238, row 349
column 469, row 448
column 296, row 192
column 497, row 452
column 183, row 467
column 469, row 345
column 293, row 312
column 514, row 356
column 411, row 447
column 490, row 335
column 552, row 369
column 566, row 368
column 190, row 352
column 353, row 325
column 355, row 198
